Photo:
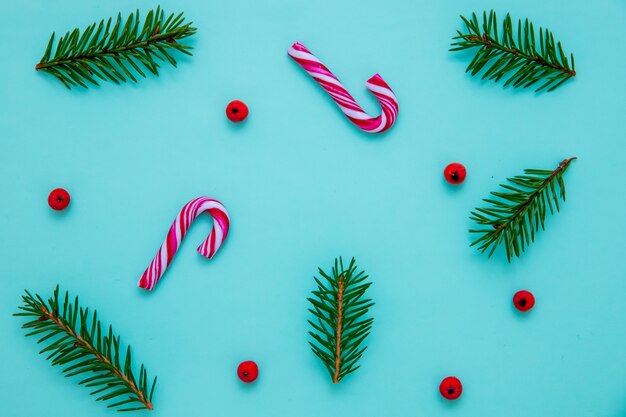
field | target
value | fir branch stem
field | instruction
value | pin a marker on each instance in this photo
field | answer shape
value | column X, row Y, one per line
column 340, row 291
column 49, row 315
column 523, row 208
column 489, row 43
column 108, row 52
column 339, row 327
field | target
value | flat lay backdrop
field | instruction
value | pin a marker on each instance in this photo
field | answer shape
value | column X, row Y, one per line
column 302, row 186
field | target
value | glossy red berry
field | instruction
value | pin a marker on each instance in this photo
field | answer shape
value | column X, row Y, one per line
column 523, row 300
column 236, row 111
column 248, row 371
column 59, row 199
column 454, row 173
column 451, row 388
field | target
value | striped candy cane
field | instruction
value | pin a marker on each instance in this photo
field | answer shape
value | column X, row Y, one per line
column 177, row 232
column 344, row 100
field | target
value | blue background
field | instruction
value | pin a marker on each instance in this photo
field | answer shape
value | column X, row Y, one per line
column 302, row 186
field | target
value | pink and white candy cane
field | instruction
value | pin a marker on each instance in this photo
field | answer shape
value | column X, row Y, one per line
column 344, row 100
column 177, row 232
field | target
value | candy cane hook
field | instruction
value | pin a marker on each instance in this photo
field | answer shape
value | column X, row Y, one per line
column 177, row 232
column 348, row 105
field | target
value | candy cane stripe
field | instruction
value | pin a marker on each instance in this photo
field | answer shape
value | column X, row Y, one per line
column 208, row 248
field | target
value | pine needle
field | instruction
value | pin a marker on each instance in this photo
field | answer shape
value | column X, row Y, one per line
column 516, row 213
column 339, row 328
column 75, row 340
column 514, row 53
column 117, row 50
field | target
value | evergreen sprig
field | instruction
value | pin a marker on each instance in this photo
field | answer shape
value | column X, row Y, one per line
column 522, row 57
column 116, row 51
column 74, row 339
column 340, row 328
column 518, row 212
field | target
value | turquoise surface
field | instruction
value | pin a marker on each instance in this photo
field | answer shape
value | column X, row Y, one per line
column 302, row 186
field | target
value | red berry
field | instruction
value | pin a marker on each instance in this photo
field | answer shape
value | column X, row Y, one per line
column 454, row 173
column 248, row 371
column 236, row 111
column 451, row 388
column 59, row 199
column 523, row 300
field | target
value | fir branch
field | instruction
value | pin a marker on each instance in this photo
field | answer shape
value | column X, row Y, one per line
column 340, row 328
column 523, row 58
column 116, row 52
column 519, row 211
column 74, row 340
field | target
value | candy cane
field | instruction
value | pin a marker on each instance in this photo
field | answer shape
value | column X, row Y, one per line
column 177, row 232
column 343, row 99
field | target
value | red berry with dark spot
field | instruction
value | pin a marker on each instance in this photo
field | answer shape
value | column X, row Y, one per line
column 59, row 199
column 451, row 388
column 236, row 111
column 454, row 173
column 248, row 371
column 523, row 300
